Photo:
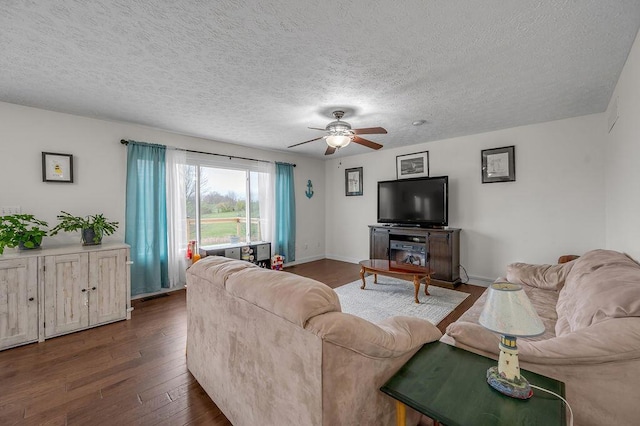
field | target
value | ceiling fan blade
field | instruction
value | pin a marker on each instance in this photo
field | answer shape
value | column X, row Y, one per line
column 317, row 128
column 306, row 142
column 369, row 131
column 330, row 150
column 365, row 142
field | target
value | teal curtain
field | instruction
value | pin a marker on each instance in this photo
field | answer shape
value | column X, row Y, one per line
column 146, row 217
column 285, row 238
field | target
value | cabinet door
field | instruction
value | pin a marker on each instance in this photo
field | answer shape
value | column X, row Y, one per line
column 66, row 294
column 379, row 243
column 440, row 255
column 18, row 301
column 107, row 286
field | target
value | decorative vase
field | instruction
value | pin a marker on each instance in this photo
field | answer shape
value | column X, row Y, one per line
column 89, row 237
column 21, row 246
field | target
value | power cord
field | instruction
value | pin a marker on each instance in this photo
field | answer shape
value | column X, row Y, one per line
column 558, row 396
column 465, row 272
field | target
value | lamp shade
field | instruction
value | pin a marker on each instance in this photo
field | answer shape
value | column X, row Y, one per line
column 508, row 311
column 338, row 141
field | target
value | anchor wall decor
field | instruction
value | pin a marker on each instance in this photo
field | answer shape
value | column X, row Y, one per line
column 309, row 191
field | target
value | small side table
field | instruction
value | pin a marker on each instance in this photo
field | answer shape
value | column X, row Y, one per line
column 448, row 384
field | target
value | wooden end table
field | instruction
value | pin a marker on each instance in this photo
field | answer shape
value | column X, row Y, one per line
column 386, row 267
column 449, row 385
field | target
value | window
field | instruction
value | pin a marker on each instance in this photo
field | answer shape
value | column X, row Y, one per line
column 228, row 202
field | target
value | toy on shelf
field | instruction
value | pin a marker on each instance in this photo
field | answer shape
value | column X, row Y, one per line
column 193, row 254
column 277, row 262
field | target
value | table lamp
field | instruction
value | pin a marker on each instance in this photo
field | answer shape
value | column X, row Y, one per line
column 509, row 312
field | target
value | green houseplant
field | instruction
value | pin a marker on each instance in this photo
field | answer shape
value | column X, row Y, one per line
column 93, row 227
column 21, row 230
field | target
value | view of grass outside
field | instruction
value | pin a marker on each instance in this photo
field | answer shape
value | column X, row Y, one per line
column 223, row 216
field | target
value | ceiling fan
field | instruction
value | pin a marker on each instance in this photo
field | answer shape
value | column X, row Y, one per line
column 340, row 134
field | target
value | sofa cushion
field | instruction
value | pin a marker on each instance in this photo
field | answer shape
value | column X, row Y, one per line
column 286, row 295
column 548, row 277
column 602, row 284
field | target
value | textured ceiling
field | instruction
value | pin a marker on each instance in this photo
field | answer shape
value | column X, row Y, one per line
column 259, row 73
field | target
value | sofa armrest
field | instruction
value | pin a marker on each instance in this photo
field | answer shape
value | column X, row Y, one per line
column 473, row 336
column 548, row 277
column 607, row 341
column 390, row 338
column 611, row 340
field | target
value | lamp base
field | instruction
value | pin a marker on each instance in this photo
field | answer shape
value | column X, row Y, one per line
column 518, row 388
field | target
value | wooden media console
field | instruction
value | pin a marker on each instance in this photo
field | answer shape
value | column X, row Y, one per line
column 437, row 248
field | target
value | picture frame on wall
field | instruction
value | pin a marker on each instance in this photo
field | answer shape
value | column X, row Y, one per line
column 499, row 164
column 412, row 165
column 353, row 181
column 57, row 167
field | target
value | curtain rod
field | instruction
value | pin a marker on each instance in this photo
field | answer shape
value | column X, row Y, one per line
column 125, row 142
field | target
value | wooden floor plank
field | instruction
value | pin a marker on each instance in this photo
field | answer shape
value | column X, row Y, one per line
column 130, row 372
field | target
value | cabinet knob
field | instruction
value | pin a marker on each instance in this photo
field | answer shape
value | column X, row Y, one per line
column 84, row 289
column 93, row 288
column 31, row 299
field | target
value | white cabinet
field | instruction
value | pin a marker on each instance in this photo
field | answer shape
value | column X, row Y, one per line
column 18, row 301
column 53, row 291
column 83, row 290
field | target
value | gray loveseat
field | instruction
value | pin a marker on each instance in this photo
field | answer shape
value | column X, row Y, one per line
column 273, row 348
column 591, row 311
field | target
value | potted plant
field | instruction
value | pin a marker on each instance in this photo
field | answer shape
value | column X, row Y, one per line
column 93, row 227
column 21, row 230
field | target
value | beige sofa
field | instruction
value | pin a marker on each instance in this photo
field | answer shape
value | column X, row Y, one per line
column 591, row 311
column 273, row 348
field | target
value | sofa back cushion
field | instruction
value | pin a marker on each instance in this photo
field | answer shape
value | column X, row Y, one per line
column 289, row 296
column 217, row 269
column 602, row 284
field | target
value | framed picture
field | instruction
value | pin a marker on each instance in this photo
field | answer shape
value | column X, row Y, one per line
column 57, row 167
column 353, row 181
column 412, row 165
column 499, row 164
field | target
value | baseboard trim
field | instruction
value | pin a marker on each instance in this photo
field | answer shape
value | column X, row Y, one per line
column 343, row 259
column 164, row 290
column 304, row 260
column 480, row 281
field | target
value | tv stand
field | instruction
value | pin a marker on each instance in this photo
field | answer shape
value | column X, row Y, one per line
column 439, row 248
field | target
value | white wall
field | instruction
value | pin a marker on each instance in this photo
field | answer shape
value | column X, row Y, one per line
column 623, row 161
column 100, row 170
column 555, row 206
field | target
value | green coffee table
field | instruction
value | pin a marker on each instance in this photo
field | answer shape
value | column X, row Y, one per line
column 449, row 385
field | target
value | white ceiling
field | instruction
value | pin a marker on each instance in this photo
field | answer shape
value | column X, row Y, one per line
column 258, row 73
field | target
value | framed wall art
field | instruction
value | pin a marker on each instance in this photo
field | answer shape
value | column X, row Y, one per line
column 412, row 165
column 499, row 164
column 353, row 181
column 57, row 167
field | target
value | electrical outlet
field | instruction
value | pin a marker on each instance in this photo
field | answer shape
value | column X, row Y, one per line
column 6, row 211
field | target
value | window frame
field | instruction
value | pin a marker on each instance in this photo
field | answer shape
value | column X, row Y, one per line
column 228, row 163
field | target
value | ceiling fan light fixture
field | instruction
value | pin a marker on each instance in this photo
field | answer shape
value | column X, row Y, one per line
column 338, row 127
column 338, row 141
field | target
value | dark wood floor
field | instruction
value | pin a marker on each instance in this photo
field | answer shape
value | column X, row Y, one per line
column 129, row 372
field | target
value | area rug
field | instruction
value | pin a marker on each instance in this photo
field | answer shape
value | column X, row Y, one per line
column 392, row 297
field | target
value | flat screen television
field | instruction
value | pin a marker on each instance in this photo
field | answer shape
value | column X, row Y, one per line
column 418, row 202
